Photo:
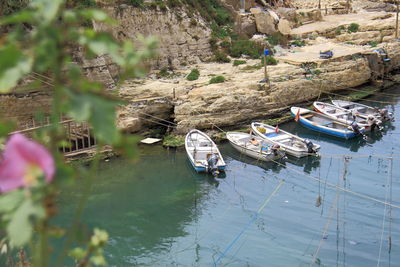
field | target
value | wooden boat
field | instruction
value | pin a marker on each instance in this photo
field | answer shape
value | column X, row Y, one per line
column 364, row 110
column 203, row 153
column 289, row 143
column 346, row 116
column 254, row 146
column 325, row 124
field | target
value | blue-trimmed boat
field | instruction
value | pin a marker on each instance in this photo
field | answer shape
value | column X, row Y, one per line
column 325, row 124
column 203, row 153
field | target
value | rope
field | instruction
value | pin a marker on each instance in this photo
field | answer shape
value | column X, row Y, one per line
column 328, row 222
column 370, row 100
column 253, row 218
column 159, row 123
column 144, row 113
column 361, row 195
column 384, row 218
column 373, row 92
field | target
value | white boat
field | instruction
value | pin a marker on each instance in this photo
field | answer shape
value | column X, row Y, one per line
column 289, row 143
column 364, row 110
column 203, row 153
column 347, row 116
column 325, row 124
column 254, row 146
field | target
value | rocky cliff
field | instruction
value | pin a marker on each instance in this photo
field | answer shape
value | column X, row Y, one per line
column 183, row 39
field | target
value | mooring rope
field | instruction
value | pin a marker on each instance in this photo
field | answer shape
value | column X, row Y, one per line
column 384, row 216
column 361, row 195
column 328, row 222
column 253, row 218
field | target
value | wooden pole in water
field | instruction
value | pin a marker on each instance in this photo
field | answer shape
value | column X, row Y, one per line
column 397, row 19
column 319, row 5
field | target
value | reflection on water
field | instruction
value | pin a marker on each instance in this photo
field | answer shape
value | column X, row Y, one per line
column 160, row 212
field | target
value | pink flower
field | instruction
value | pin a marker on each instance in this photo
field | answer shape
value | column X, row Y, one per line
column 23, row 162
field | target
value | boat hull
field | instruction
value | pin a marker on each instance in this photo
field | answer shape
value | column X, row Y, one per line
column 256, row 155
column 290, row 150
column 344, row 134
column 198, row 148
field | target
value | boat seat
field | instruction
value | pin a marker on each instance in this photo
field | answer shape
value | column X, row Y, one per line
column 280, row 138
column 271, row 134
column 307, row 116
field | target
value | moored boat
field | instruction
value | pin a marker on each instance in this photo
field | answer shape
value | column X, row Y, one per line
column 203, row 153
column 364, row 110
column 254, row 146
column 289, row 143
column 346, row 116
column 325, row 124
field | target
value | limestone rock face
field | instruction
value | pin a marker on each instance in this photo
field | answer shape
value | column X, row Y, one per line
column 127, row 122
column 244, row 99
column 284, row 27
column 180, row 42
column 265, row 22
column 248, row 26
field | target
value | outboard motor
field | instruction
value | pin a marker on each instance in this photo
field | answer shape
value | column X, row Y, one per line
column 275, row 148
column 357, row 129
column 310, row 146
column 212, row 164
column 372, row 122
column 385, row 114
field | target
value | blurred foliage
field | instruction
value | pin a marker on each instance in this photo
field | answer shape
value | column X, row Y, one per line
column 40, row 40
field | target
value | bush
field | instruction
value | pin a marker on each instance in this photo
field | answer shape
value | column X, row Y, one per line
column 238, row 62
column 136, row 3
column 339, row 30
column 299, row 43
column 221, row 57
column 275, row 39
column 353, row 28
column 174, row 3
column 373, row 43
column 270, row 60
column 164, row 72
column 245, row 47
column 193, row 75
column 217, row 79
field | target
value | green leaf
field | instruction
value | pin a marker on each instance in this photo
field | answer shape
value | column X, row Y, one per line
column 46, row 10
column 20, row 229
column 99, row 111
column 80, row 108
column 13, row 66
column 9, row 201
column 23, row 16
column 97, row 15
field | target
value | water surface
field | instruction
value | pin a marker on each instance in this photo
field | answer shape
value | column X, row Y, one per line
column 160, row 212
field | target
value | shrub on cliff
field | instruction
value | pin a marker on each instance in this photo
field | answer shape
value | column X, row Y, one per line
column 353, row 28
column 238, row 62
column 136, row 3
column 245, row 47
column 270, row 60
column 193, row 75
column 221, row 57
column 217, row 79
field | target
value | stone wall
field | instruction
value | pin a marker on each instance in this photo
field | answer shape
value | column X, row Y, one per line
column 182, row 39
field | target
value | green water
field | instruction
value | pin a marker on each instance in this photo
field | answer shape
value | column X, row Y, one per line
column 159, row 212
